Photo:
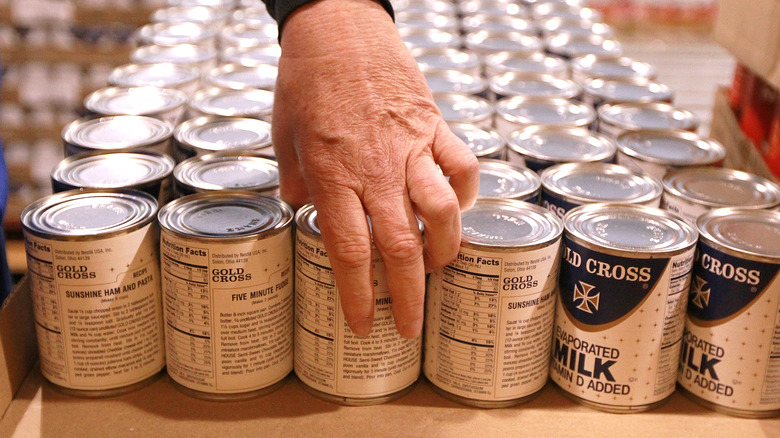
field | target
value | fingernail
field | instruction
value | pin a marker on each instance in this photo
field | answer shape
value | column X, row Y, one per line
column 411, row 329
column 362, row 327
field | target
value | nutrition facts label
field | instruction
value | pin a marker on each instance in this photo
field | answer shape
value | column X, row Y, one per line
column 489, row 321
column 328, row 357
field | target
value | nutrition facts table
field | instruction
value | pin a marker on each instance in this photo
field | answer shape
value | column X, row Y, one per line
column 47, row 314
column 316, row 312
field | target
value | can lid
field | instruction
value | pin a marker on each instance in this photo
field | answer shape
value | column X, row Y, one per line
column 561, row 144
column 459, row 108
column 116, row 132
column 266, row 54
column 233, row 103
column 526, row 110
column 203, row 15
column 635, row 89
column 445, row 59
column 214, row 133
column 179, row 54
column 565, row 10
column 86, row 214
column 534, row 84
column 113, row 169
column 238, row 77
column 306, row 220
column 720, row 187
column 575, row 26
column 600, row 182
column 649, row 115
column 498, row 23
column 484, row 41
column 492, row 8
column 571, row 46
column 426, row 20
column 172, row 34
column 439, row 6
column 229, row 170
column 627, row 227
column 752, row 232
column 134, row 100
column 500, row 179
column 252, row 15
column 483, row 142
column 243, row 35
column 595, row 66
column 671, row 147
column 536, row 62
column 453, row 81
column 163, row 75
column 225, row 214
column 509, row 223
column 414, row 38
column 218, row 4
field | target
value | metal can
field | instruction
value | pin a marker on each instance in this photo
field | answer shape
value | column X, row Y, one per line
column 502, row 180
column 161, row 103
column 162, row 75
column 453, row 81
column 117, row 133
column 593, row 66
column 691, row 192
column 616, row 119
column 485, row 143
column 659, row 151
column 541, row 63
column 444, row 7
column 447, row 59
column 484, row 42
column 493, row 8
column 541, row 146
column 267, row 54
column 241, row 77
column 574, row 26
column 427, row 20
column 227, row 171
column 489, row 313
column 729, row 358
column 174, row 34
column 569, row 46
column 459, row 108
column 202, row 15
column 225, row 102
column 207, row 134
column 243, row 35
column 429, row 38
column 625, row 276
column 253, row 13
column 600, row 91
column 204, row 58
column 533, row 85
column 332, row 362
column 497, row 23
column 564, row 9
column 94, row 271
column 518, row 112
column 227, row 266
column 148, row 172
column 568, row 185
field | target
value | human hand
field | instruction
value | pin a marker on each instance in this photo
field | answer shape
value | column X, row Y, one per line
column 356, row 131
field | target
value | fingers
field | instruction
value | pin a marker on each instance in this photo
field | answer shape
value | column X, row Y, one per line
column 292, row 187
column 457, row 162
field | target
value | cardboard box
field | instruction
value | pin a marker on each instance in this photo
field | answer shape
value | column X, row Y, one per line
column 159, row 410
column 750, row 30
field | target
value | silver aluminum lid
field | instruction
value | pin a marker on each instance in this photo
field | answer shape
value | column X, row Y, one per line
column 228, row 171
column 238, row 77
column 755, row 233
column 650, row 115
column 203, row 15
column 485, row 42
column 252, row 15
column 134, row 101
column 632, row 228
column 179, row 54
column 116, row 132
column 526, row 63
column 458, row 108
column 571, row 46
column 575, row 26
column 498, row 23
column 429, row 38
column 564, row 10
column 306, row 221
column 622, row 90
column 454, row 81
column 509, row 223
column 583, row 183
column 594, row 66
column 671, row 147
column 242, row 35
column 218, row 4
column 445, row 59
column 267, row 54
column 493, row 7
column 426, row 20
column 439, row 6
column 162, row 75
column 545, row 111
column 484, row 143
column 112, row 170
column 499, row 179
column 225, row 215
column 86, row 214
column 561, row 144
column 532, row 84
column 173, row 34
column 233, row 103
column 721, row 187
column 224, row 133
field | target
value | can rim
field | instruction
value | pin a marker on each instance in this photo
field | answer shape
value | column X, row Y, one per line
column 203, row 101
column 74, row 132
column 551, row 177
column 100, row 101
column 713, row 229
column 584, row 114
column 524, row 178
column 160, row 166
column 517, row 139
column 188, row 171
column 545, row 227
column 607, row 113
column 186, row 133
column 715, row 151
column 675, row 183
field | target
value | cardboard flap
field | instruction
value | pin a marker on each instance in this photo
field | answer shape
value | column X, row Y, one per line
column 18, row 348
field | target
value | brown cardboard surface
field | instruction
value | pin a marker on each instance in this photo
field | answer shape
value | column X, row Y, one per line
column 750, row 30
column 17, row 343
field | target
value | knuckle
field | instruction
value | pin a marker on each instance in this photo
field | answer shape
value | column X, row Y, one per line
column 407, row 304
column 350, row 253
column 401, row 249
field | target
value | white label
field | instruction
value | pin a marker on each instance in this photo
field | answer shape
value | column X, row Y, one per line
column 638, row 165
column 489, row 323
column 97, row 309
column 685, row 209
column 228, row 312
column 328, row 356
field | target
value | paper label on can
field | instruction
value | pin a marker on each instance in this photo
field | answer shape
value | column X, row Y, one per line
column 97, row 309
column 641, row 166
column 687, row 210
column 328, row 356
column 555, row 204
column 228, row 312
column 489, row 322
column 619, row 325
column 731, row 347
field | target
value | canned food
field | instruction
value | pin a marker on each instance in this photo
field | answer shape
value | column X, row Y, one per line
column 574, row 26
column 162, row 75
column 625, row 275
column 174, row 34
column 253, row 14
column 94, row 273
column 241, row 77
column 427, row 20
column 565, row 186
column 569, row 46
column 204, row 135
column 489, row 313
column 227, row 282
column 518, row 112
column 600, row 91
column 502, row 180
column 691, row 192
column 540, row 146
column 458, row 108
column 616, row 119
column 205, row 58
column 331, row 361
column 484, row 42
column 148, row 172
column 497, row 23
column 117, row 133
column 447, row 59
column 492, row 7
column 505, row 62
column 429, row 38
column 225, row 102
column 217, row 4
column 533, row 85
column 202, row 15
column 254, row 56
column 658, row 151
column 564, row 10
column 729, row 347
column 243, row 35
column 593, row 66
column 227, row 171
column 161, row 103
column 485, row 143
column 453, row 81
column 444, row 7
